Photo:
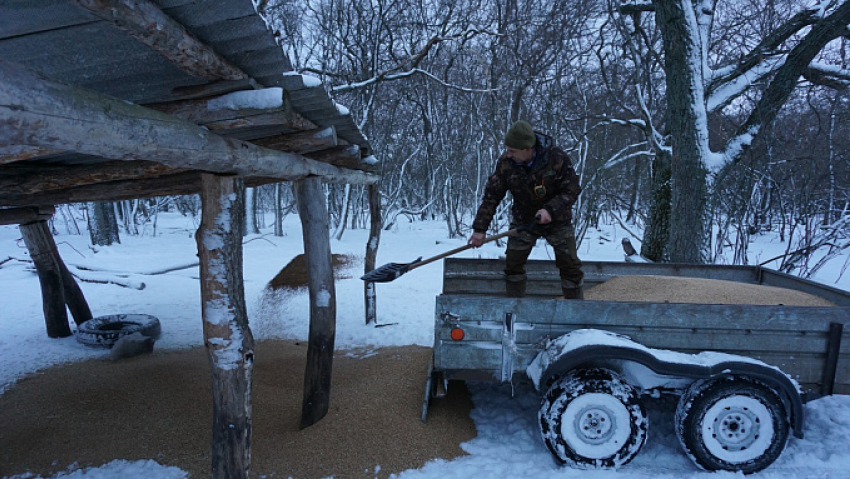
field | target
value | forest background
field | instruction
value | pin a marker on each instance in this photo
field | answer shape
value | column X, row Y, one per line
column 694, row 124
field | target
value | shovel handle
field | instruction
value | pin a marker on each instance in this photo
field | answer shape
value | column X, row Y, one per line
column 462, row 248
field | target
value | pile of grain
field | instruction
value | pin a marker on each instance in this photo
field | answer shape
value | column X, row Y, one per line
column 294, row 274
column 159, row 406
column 672, row 289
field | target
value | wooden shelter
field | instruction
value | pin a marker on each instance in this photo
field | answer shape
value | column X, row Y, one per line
column 119, row 99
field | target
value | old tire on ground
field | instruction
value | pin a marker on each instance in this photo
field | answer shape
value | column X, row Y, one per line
column 732, row 424
column 592, row 418
column 104, row 331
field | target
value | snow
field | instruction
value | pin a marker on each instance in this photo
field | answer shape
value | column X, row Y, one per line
column 592, row 337
column 249, row 99
column 508, row 442
column 323, row 298
column 308, row 81
column 341, row 109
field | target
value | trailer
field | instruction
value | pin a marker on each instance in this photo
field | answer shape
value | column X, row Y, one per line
column 740, row 373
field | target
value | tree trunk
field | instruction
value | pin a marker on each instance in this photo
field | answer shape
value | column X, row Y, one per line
column 103, row 226
column 370, row 296
column 312, row 208
column 228, row 339
column 657, row 231
column 685, row 118
column 278, row 210
column 251, row 212
column 343, row 215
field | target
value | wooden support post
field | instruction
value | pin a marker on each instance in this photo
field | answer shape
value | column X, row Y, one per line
column 74, row 298
column 41, row 247
column 228, row 339
column 370, row 295
column 58, row 286
column 317, row 253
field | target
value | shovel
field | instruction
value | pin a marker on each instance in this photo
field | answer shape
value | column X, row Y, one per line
column 391, row 271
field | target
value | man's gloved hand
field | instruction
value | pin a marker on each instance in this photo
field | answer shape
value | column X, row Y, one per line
column 477, row 239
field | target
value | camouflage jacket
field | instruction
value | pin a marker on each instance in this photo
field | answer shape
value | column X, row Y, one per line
column 550, row 182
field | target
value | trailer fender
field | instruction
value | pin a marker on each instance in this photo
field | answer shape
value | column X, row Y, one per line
column 592, row 346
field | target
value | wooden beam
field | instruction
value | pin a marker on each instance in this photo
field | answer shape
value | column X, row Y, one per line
column 183, row 183
column 302, row 142
column 35, row 110
column 14, row 153
column 145, row 22
column 317, row 252
column 35, row 179
column 228, row 339
column 17, row 216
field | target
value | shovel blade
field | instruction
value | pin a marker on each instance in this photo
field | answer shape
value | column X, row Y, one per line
column 387, row 272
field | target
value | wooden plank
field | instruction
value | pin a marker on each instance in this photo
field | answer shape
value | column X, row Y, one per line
column 301, row 142
column 56, row 116
column 317, row 251
column 228, row 339
column 277, row 117
column 17, row 216
column 203, row 111
column 145, row 22
column 341, row 154
column 217, row 88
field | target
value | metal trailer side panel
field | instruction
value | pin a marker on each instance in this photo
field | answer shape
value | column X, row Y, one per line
column 792, row 338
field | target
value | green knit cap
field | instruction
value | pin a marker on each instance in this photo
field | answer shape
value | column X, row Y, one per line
column 520, row 136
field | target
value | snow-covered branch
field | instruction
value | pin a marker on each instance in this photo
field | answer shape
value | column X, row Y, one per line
column 398, row 76
column 410, row 66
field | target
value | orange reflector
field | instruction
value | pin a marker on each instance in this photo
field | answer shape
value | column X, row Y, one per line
column 457, row 334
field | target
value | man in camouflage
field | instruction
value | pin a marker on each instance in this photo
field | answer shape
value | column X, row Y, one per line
column 544, row 186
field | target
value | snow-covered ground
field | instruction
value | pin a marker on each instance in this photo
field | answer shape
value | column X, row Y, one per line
column 508, row 442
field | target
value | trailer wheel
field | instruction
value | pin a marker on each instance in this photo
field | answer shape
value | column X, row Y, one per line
column 592, row 418
column 732, row 424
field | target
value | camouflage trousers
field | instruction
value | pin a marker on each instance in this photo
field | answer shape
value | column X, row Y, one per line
column 560, row 236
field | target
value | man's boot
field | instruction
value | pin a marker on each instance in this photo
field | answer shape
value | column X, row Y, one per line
column 572, row 290
column 515, row 285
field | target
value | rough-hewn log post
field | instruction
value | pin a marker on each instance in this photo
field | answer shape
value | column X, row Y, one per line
column 370, row 295
column 42, row 250
column 74, row 298
column 228, row 339
column 46, row 257
column 317, row 253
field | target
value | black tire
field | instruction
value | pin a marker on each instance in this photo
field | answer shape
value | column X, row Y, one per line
column 592, row 418
column 104, row 331
column 732, row 424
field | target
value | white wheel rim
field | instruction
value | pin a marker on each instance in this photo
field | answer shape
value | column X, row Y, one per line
column 737, row 429
column 595, row 425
